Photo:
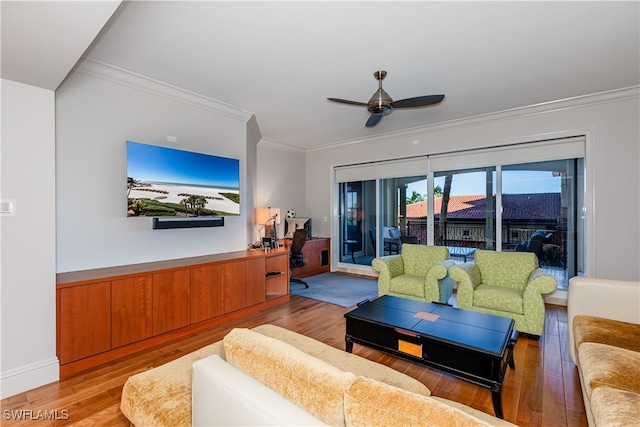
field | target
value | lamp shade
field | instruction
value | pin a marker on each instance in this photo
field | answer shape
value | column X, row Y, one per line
column 264, row 215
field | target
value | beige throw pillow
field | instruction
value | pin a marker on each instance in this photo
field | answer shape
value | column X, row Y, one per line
column 310, row 383
column 372, row 403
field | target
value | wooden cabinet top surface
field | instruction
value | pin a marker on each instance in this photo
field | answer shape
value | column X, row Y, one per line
column 106, row 273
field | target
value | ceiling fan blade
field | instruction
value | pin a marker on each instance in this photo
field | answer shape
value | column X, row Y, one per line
column 374, row 119
column 346, row 101
column 418, row 101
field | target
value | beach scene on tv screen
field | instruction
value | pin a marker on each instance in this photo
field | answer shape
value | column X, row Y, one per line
column 168, row 182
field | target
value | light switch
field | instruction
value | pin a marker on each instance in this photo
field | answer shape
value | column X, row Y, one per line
column 7, row 207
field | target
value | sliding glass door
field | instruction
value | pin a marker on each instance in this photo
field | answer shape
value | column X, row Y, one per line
column 541, row 214
column 492, row 199
column 464, row 210
column 357, row 221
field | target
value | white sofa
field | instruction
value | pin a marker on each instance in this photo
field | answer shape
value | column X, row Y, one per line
column 225, row 396
column 604, row 343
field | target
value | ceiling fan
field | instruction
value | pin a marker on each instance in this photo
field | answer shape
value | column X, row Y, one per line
column 381, row 103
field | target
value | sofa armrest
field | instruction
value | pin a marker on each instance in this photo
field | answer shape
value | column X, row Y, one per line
column 388, row 267
column 610, row 299
column 222, row 395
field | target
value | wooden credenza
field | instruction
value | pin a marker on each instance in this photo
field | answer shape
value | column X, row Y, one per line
column 107, row 313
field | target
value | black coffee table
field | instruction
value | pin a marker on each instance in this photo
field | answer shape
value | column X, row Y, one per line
column 472, row 346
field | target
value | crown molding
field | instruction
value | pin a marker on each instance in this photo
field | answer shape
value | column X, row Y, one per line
column 582, row 101
column 280, row 146
column 133, row 80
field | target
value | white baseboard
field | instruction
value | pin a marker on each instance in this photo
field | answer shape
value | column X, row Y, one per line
column 29, row 377
column 361, row 270
column 556, row 298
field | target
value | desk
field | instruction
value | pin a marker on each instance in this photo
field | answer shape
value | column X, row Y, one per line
column 461, row 252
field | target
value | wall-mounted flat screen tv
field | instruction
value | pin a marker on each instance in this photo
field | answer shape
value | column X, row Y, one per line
column 165, row 182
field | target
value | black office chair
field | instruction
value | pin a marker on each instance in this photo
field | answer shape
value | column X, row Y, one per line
column 296, row 258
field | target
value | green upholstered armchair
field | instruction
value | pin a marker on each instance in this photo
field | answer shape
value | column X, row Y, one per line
column 507, row 284
column 420, row 272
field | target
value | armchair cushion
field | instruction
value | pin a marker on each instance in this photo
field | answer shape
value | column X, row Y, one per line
column 408, row 284
column 498, row 298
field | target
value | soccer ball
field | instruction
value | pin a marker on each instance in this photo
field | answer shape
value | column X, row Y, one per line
column 291, row 213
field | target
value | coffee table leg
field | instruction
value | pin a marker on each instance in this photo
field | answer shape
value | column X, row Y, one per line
column 349, row 344
column 512, row 343
column 496, row 396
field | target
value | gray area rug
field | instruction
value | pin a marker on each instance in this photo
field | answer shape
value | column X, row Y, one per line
column 335, row 288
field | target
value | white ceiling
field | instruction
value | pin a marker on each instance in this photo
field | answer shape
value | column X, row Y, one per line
column 43, row 40
column 281, row 60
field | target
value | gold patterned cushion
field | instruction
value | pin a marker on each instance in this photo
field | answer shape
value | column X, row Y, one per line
column 606, row 331
column 615, row 408
column 310, row 383
column 344, row 361
column 162, row 396
column 604, row 365
column 372, row 403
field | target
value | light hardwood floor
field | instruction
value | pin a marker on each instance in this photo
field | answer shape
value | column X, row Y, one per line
column 543, row 390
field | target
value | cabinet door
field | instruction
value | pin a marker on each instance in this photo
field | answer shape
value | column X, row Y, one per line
column 85, row 324
column 312, row 255
column 206, row 293
column 232, row 275
column 254, row 281
column 171, row 300
column 131, row 310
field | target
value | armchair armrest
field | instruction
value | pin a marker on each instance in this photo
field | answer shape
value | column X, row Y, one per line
column 388, row 267
column 467, row 272
column 438, row 284
column 540, row 282
column 610, row 299
column 467, row 276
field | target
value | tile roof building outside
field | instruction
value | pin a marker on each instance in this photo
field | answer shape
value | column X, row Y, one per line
column 515, row 207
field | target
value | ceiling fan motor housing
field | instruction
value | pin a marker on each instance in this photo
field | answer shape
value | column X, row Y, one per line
column 380, row 102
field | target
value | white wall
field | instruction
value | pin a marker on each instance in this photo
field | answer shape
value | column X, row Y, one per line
column 98, row 108
column 281, row 182
column 27, row 277
column 611, row 123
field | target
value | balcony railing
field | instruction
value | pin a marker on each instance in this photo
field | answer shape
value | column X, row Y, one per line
column 475, row 236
